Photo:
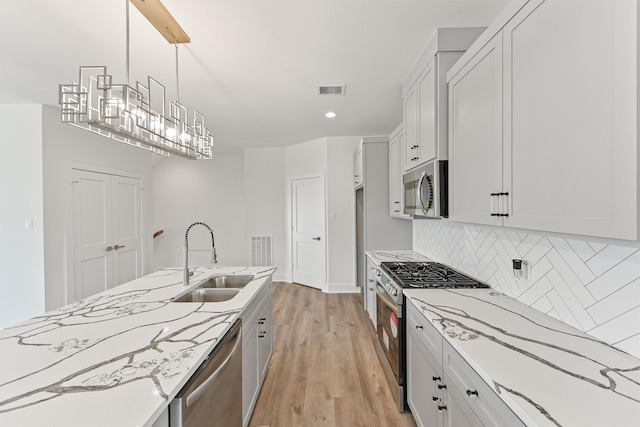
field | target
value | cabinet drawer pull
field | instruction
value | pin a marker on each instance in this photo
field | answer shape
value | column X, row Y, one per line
column 419, row 327
column 436, row 378
column 435, row 398
column 472, row 393
column 442, row 407
column 441, row 386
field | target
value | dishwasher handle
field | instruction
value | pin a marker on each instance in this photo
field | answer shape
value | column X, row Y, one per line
column 202, row 388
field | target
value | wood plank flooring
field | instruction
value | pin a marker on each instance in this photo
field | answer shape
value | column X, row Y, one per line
column 324, row 370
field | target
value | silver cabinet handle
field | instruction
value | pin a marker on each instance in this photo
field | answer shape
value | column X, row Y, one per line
column 116, row 247
column 108, row 248
column 316, row 238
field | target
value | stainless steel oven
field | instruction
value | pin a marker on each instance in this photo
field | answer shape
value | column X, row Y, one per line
column 391, row 336
column 390, row 311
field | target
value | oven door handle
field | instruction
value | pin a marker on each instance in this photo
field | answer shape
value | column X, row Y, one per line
column 382, row 293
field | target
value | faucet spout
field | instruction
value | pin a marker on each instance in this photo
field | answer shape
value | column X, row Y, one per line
column 214, row 257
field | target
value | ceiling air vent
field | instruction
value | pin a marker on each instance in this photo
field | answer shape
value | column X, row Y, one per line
column 330, row 89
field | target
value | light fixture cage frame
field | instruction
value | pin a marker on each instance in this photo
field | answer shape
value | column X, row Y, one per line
column 134, row 116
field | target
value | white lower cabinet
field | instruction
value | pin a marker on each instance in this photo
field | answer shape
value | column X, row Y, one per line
column 442, row 388
column 373, row 272
column 257, row 344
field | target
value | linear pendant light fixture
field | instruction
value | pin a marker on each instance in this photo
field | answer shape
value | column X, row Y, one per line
column 138, row 116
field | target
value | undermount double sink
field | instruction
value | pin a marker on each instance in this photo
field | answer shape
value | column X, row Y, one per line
column 216, row 289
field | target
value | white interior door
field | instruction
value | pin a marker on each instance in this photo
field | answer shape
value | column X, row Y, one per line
column 107, row 231
column 308, row 231
column 127, row 229
column 92, row 230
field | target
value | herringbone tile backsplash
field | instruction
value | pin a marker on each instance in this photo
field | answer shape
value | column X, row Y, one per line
column 594, row 287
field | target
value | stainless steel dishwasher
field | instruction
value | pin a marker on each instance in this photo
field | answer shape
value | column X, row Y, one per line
column 213, row 395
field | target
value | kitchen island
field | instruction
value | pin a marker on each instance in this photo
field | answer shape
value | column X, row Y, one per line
column 116, row 358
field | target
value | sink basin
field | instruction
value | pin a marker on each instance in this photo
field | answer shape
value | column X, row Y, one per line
column 207, row 295
column 227, row 281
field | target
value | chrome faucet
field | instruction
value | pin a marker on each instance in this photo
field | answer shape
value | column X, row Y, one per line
column 214, row 257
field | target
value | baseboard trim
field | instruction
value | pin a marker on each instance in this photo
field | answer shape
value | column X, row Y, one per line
column 337, row 288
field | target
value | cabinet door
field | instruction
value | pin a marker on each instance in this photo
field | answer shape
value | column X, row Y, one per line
column 249, row 369
column 570, row 117
column 411, row 128
column 373, row 272
column 427, row 114
column 457, row 412
column 423, row 372
column 475, row 136
column 358, row 168
column 265, row 338
column 396, row 194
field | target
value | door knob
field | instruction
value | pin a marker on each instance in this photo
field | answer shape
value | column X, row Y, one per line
column 316, row 238
column 116, row 247
column 108, row 248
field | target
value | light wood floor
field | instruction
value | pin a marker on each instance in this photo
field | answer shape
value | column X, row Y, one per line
column 324, row 370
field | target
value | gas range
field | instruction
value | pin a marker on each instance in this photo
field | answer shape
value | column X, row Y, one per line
column 424, row 275
column 390, row 316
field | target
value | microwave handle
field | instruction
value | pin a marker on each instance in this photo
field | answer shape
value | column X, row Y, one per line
column 420, row 184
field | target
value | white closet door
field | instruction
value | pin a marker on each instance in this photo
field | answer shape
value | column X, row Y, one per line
column 127, row 229
column 107, row 232
column 92, row 230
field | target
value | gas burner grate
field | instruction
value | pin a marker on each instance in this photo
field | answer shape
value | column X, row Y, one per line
column 429, row 275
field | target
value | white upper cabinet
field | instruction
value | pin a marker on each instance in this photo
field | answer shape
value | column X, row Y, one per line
column 420, row 118
column 358, row 169
column 396, row 166
column 425, row 96
column 475, row 130
column 564, row 130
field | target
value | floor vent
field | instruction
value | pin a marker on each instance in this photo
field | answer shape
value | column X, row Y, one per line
column 261, row 250
column 330, row 89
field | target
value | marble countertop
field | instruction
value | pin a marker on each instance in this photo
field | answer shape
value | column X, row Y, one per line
column 116, row 358
column 547, row 372
column 395, row 256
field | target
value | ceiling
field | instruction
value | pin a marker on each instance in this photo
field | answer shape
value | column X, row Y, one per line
column 252, row 65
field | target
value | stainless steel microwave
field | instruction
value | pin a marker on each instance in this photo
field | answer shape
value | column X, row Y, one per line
column 425, row 190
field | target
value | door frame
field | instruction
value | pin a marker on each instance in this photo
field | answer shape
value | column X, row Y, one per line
column 69, row 167
column 289, row 201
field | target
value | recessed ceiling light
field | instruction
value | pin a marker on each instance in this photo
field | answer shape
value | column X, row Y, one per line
column 330, row 114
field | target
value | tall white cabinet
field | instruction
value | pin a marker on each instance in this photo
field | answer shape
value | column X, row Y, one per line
column 544, row 120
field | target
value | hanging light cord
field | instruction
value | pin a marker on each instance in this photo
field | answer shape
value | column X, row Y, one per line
column 177, row 75
column 127, row 40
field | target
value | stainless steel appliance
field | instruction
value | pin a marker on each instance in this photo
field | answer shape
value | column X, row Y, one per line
column 425, row 190
column 213, row 395
column 390, row 312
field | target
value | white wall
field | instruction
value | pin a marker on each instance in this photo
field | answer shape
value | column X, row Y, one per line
column 265, row 194
column 62, row 147
column 21, row 250
column 209, row 191
column 269, row 169
column 591, row 285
